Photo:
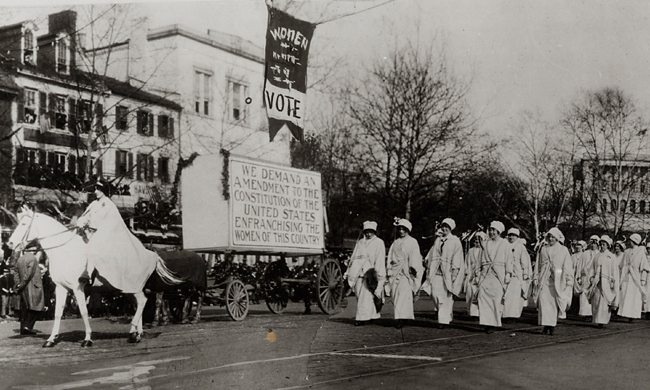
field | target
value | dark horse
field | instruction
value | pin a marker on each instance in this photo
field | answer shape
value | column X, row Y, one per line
column 192, row 269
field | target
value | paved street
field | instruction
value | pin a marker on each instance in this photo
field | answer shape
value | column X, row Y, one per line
column 329, row 352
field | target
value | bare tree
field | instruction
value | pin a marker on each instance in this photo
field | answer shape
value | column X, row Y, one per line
column 612, row 136
column 414, row 123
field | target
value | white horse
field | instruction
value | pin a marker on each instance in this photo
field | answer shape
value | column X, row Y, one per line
column 67, row 253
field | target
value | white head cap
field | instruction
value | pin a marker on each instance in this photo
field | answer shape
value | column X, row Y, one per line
column 405, row 223
column 498, row 226
column 555, row 232
column 449, row 222
column 606, row 238
column 636, row 238
column 370, row 225
column 514, row 231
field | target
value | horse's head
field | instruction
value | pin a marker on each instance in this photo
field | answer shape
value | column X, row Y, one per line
column 25, row 231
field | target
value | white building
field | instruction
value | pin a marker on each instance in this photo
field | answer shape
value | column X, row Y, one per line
column 218, row 80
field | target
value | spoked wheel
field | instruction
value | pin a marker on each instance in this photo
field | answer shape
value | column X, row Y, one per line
column 236, row 300
column 329, row 286
column 275, row 294
column 176, row 305
column 276, row 306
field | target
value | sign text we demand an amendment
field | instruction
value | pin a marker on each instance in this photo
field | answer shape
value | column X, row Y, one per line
column 275, row 206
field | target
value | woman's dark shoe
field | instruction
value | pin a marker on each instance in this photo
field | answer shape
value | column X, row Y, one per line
column 545, row 330
column 551, row 330
column 27, row 332
column 489, row 330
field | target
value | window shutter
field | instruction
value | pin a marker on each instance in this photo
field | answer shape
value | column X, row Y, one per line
column 129, row 165
column 151, row 129
column 52, row 109
column 170, row 130
column 139, row 165
column 150, row 168
column 160, row 166
column 42, row 103
column 20, row 156
column 139, row 122
column 21, row 105
column 72, row 164
column 99, row 167
column 99, row 114
column 117, row 164
column 51, row 159
column 161, row 130
column 72, row 115
column 41, row 158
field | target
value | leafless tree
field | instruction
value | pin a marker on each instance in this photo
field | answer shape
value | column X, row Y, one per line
column 414, row 124
column 612, row 136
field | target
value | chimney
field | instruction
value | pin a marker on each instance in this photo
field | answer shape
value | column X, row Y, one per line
column 65, row 21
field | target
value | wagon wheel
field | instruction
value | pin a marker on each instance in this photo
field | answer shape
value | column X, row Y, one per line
column 236, row 300
column 329, row 286
column 275, row 294
column 176, row 306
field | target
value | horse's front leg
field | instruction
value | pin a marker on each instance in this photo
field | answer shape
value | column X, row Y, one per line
column 135, row 334
column 199, row 305
column 61, row 296
column 83, row 310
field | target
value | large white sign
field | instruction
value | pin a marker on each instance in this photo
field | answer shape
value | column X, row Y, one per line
column 275, row 206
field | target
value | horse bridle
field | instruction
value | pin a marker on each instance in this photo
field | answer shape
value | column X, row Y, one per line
column 23, row 240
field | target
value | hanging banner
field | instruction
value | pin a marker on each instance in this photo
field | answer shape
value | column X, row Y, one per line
column 285, row 84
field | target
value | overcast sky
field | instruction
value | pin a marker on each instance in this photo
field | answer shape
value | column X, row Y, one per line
column 534, row 55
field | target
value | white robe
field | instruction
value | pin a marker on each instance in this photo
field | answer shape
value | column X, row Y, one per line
column 583, row 272
column 472, row 272
column 496, row 262
column 604, row 287
column 404, row 254
column 367, row 254
column 517, row 291
column 634, row 270
column 553, row 283
column 445, row 275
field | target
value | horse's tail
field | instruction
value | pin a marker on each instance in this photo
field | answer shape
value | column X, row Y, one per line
column 167, row 275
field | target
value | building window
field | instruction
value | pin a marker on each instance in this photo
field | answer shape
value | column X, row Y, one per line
column 163, row 169
column 84, row 115
column 121, row 118
column 121, row 167
column 237, row 96
column 642, row 207
column 614, row 206
column 202, row 92
column 632, row 206
column 164, row 128
column 62, row 56
column 61, row 113
column 28, row 44
column 145, row 167
column 603, row 208
column 30, row 106
column 145, row 123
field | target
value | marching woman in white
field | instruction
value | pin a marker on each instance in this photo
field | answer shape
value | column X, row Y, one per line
column 472, row 272
column 404, row 271
column 552, row 281
column 369, row 254
column 496, row 271
column 634, row 274
column 604, row 284
column 517, row 291
column 446, row 272
column 584, row 272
